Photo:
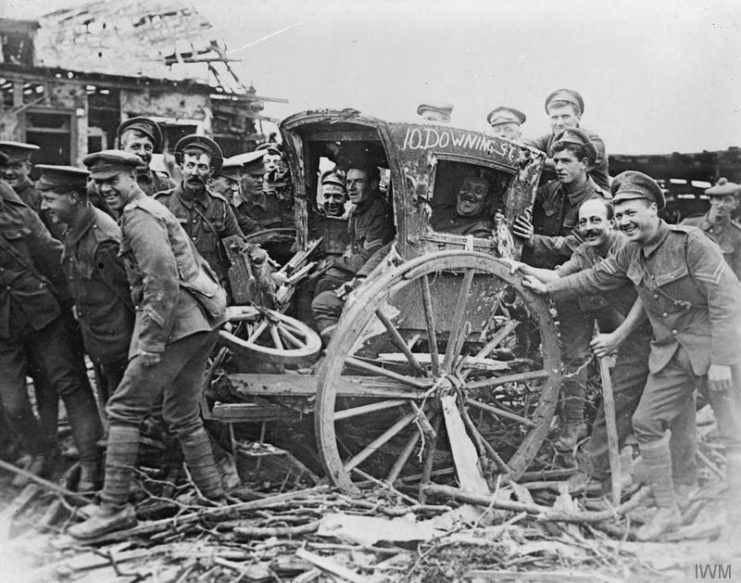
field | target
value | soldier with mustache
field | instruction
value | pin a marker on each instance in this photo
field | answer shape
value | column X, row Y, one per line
column 470, row 215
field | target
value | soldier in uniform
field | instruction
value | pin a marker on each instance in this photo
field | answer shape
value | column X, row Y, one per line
column 506, row 122
column 470, row 215
column 142, row 136
column 565, row 108
column 717, row 222
column 205, row 216
column 693, row 301
column 549, row 240
column 95, row 272
column 179, row 307
column 370, row 228
column 435, row 112
column 17, row 169
column 268, row 199
column 33, row 338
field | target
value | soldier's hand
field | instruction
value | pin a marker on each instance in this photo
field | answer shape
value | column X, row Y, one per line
column 719, row 377
column 534, row 284
column 604, row 344
column 514, row 266
column 149, row 358
column 523, row 228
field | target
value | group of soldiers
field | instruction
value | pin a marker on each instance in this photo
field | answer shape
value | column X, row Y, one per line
column 126, row 265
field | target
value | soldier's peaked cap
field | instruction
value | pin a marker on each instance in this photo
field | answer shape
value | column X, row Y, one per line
column 231, row 169
column 107, row 163
column 504, row 114
column 17, row 151
column 723, row 188
column 633, row 185
column 145, row 125
column 62, row 178
column 578, row 137
column 203, row 143
column 332, row 177
column 567, row 95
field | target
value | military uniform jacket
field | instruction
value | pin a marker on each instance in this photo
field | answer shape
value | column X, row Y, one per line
column 31, row 276
column 370, row 228
column 555, row 216
column 97, row 280
column 28, row 194
column 244, row 219
column 728, row 236
column 269, row 210
column 447, row 220
column 598, row 170
column 162, row 266
column 153, row 182
column 207, row 219
column 689, row 293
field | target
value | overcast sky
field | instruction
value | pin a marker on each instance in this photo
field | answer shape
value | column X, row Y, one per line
column 656, row 76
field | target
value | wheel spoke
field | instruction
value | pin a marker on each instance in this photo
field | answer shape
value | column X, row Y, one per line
column 257, row 332
column 483, row 443
column 277, row 342
column 398, row 340
column 362, row 410
column 457, row 334
column 500, row 412
column 498, row 338
column 377, row 370
column 512, row 378
column 430, row 456
column 424, row 283
column 290, row 338
column 403, row 458
column 386, row 436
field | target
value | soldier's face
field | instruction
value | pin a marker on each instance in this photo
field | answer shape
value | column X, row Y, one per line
column 59, row 207
column 435, row 116
column 722, row 206
column 15, row 173
column 637, row 218
column 568, row 167
column 333, row 200
column 117, row 190
column 273, row 162
column 594, row 226
column 359, row 188
column 224, row 186
column 563, row 116
column 508, row 131
column 196, row 170
column 137, row 143
column 472, row 197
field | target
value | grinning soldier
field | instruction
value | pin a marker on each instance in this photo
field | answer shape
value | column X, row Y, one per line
column 179, row 307
column 693, row 301
column 142, row 136
column 470, row 215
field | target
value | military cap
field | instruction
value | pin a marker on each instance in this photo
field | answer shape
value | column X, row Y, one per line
column 247, row 158
column 145, row 125
column 331, row 177
column 567, row 95
column 270, row 148
column 231, row 169
column 439, row 106
column 108, row 163
column 578, row 137
column 62, row 178
column 503, row 114
column 723, row 188
column 206, row 145
column 17, row 151
column 633, row 185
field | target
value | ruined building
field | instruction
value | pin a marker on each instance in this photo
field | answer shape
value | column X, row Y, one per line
column 68, row 79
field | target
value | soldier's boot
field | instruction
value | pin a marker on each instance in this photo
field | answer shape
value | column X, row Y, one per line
column 658, row 462
column 114, row 512
column 200, row 461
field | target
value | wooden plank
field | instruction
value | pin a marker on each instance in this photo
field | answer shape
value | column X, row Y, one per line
column 464, row 452
column 306, row 386
column 425, row 359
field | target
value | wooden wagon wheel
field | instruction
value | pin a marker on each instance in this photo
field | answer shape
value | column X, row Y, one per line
column 270, row 336
column 447, row 344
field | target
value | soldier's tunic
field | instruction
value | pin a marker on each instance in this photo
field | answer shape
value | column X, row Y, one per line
column 598, row 170
column 370, row 229
column 32, row 334
column 693, row 301
column 152, row 182
column 207, row 218
column 727, row 234
column 268, row 210
column 97, row 280
column 446, row 220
